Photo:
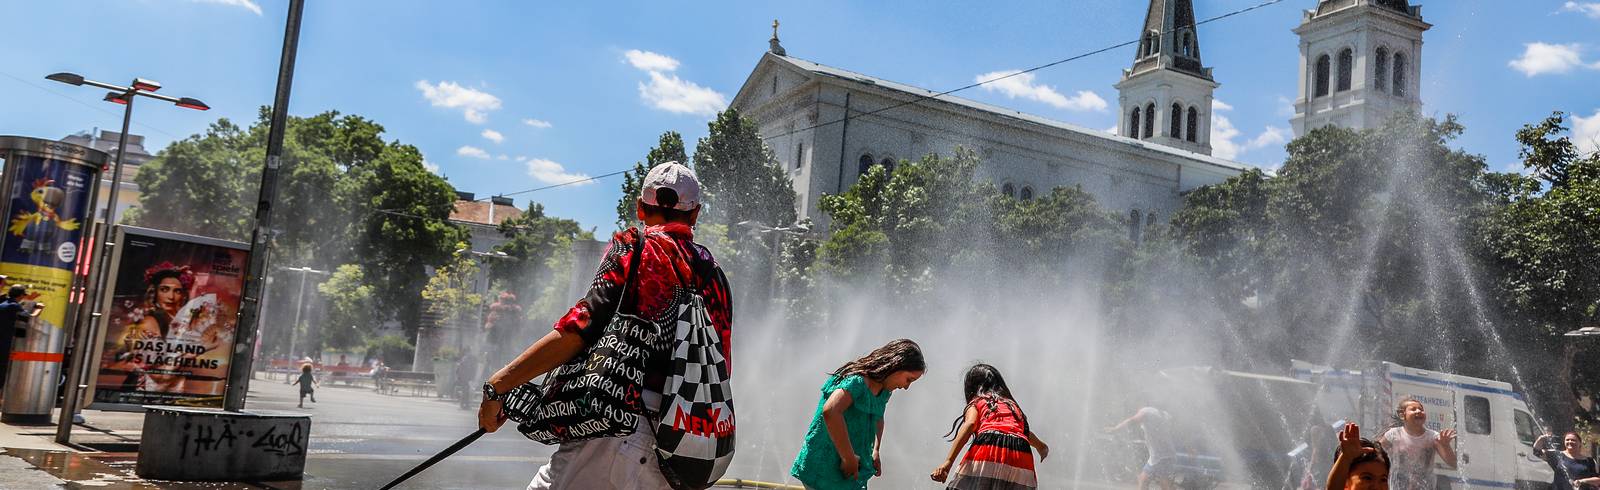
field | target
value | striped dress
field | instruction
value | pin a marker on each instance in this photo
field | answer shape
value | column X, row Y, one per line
column 999, row 457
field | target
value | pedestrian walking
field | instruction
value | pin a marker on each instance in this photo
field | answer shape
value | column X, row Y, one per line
column 653, row 267
column 307, row 383
column 847, row 428
column 11, row 312
column 1000, row 457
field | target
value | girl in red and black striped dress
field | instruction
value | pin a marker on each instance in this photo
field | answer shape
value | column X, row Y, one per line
column 1000, row 457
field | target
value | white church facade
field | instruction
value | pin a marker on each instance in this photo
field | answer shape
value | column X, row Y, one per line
column 829, row 125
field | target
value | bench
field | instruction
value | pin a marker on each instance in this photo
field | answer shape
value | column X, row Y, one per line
column 349, row 375
column 420, row 383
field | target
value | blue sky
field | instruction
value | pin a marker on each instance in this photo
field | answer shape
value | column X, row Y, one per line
column 552, row 85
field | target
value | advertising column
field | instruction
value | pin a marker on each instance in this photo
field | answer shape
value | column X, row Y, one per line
column 48, row 190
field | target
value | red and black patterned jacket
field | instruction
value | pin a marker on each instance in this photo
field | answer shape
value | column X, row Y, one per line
column 671, row 260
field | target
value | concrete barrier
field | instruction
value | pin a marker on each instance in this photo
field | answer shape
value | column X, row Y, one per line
column 205, row 444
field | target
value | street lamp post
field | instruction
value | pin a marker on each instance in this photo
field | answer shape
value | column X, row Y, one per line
column 299, row 307
column 87, row 324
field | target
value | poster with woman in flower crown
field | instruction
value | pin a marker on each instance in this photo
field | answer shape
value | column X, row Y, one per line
column 173, row 312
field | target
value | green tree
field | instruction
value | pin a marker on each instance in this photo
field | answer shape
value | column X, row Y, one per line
column 668, row 149
column 536, row 243
column 449, row 292
column 349, row 320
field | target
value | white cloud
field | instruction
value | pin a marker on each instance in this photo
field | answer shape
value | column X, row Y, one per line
column 666, row 91
column 1542, row 59
column 431, row 167
column 1223, row 134
column 492, row 135
column 648, row 61
column 1218, row 105
column 472, row 151
column 1021, row 85
column 246, row 4
column 521, row 158
column 537, row 123
column 550, row 172
column 1586, row 8
column 474, row 104
column 672, row 94
column 1586, row 132
column 502, row 157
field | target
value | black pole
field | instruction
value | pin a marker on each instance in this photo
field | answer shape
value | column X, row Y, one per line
column 464, row 442
column 86, row 323
column 844, row 138
column 240, row 370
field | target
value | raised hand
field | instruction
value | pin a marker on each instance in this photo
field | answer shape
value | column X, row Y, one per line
column 1350, row 440
column 1447, row 436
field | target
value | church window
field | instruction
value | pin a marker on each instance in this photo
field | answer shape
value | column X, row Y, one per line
column 1177, row 122
column 1009, row 190
column 774, row 85
column 1188, row 45
column 1134, row 222
column 1144, row 46
column 799, row 154
column 1027, row 193
column 1155, row 42
column 888, row 164
column 1133, row 124
column 1346, row 64
column 1150, row 219
column 1400, row 87
column 864, row 164
column 1150, row 120
column 1194, row 124
column 1322, row 76
column 1381, row 74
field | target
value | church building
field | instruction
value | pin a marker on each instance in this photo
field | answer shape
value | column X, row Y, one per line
column 829, row 125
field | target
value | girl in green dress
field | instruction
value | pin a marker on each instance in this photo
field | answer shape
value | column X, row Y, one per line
column 848, row 424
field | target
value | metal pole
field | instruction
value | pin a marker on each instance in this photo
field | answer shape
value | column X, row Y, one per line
column 239, row 371
column 844, row 138
column 92, row 296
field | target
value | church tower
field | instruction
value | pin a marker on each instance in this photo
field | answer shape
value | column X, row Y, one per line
column 1360, row 62
column 1165, row 97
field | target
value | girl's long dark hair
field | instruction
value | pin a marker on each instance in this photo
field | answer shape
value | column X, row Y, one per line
column 983, row 379
column 897, row 355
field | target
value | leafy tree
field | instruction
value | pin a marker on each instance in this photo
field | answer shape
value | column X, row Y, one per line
column 536, row 242
column 350, row 315
column 668, row 149
column 448, row 292
column 741, row 177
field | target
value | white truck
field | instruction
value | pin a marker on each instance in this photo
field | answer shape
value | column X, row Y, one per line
column 1495, row 431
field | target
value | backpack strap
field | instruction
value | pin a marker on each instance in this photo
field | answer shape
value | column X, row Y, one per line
column 632, row 281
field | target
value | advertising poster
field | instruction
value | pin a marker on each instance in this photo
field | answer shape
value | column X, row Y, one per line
column 173, row 312
column 49, row 207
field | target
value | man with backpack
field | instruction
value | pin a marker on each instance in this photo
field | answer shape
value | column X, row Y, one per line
column 664, row 278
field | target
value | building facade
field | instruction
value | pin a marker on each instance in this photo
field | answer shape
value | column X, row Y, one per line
column 829, row 125
column 106, row 141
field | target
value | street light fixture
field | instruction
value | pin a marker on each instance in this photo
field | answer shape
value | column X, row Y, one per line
column 1583, row 332
column 120, row 95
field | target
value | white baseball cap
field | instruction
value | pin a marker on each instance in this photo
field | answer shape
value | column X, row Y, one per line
column 675, row 177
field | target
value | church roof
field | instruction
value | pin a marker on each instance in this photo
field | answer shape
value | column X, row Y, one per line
column 861, row 79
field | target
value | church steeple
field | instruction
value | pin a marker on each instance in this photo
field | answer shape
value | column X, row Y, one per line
column 1166, row 95
column 1359, row 63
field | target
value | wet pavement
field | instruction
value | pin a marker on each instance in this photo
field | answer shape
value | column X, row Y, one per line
column 359, row 439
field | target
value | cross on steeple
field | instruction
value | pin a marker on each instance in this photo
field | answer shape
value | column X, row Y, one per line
column 774, row 28
column 772, row 44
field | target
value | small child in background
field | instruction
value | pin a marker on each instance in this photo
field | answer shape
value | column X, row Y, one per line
column 849, row 420
column 1413, row 447
column 1000, row 458
column 1359, row 464
column 306, row 382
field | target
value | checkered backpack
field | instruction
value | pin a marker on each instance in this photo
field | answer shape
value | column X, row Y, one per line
column 694, row 434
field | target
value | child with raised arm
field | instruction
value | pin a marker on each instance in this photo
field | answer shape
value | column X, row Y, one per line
column 1359, row 464
column 1000, row 458
column 1412, row 447
column 848, row 425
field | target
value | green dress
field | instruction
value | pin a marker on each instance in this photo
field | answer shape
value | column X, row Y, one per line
column 817, row 466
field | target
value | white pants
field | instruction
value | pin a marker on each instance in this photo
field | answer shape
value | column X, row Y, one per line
column 615, row 463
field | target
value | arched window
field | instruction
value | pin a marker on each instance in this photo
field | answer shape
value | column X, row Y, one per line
column 1399, row 75
column 1150, row 219
column 1177, row 122
column 864, row 164
column 1144, row 47
column 888, row 164
column 1188, row 45
column 1150, row 120
column 1347, row 61
column 1027, row 193
column 1194, row 124
column 1381, row 73
column 1133, row 124
column 799, row 154
column 1155, row 42
column 1322, row 76
column 1134, row 222
column 1009, row 190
